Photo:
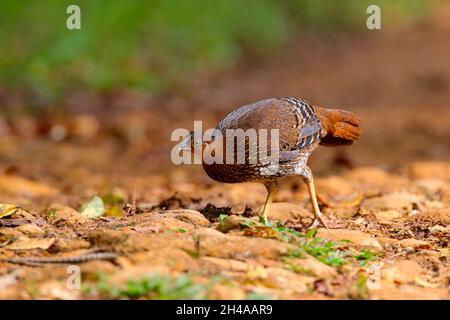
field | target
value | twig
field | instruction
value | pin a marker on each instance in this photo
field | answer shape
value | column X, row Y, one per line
column 36, row 261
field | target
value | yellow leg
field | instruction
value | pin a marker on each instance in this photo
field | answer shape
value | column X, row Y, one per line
column 271, row 191
column 309, row 181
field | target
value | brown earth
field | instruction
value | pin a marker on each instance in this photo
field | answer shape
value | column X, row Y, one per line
column 403, row 221
column 386, row 198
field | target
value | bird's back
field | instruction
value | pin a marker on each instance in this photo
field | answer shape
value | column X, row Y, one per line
column 298, row 134
column 294, row 118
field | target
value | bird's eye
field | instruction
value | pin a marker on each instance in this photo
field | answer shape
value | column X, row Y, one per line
column 196, row 142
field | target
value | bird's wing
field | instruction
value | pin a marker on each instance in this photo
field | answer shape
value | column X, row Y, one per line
column 308, row 124
column 309, row 132
column 298, row 125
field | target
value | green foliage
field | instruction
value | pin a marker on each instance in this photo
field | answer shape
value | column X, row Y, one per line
column 154, row 287
column 325, row 251
column 326, row 15
column 248, row 223
column 222, row 219
column 155, row 45
column 258, row 296
column 51, row 214
column 360, row 289
column 112, row 199
column 288, row 233
column 328, row 252
column 178, row 230
column 365, row 256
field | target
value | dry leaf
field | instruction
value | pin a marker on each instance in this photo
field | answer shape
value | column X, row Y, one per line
column 342, row 201
column 7, row 209
column 93, row 208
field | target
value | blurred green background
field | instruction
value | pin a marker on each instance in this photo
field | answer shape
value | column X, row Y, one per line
column 159, row 45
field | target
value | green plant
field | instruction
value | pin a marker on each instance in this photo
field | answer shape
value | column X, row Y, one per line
column 328, row 252
column 51, row 214
column 258, row 296
column 222, row 219
column 248, row 223
column 284, row 233
column 364, row 256
column 155, row 287
column 288, row 264
column 157, row 45
column 325, row 251
column 360, row 290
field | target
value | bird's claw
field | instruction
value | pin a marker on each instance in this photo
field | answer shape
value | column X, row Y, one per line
column 317, row 221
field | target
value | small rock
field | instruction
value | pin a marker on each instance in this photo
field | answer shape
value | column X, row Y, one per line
column 190, row 216
column 386, row 216
column 434, row 205
column 414, row 243
column 217, row 265
column 226, row 292
column 25, row 243
column 90, row 269
column 354, row 236
column 409, row 292
column 160, row 224
column 216, row 244
column 287, row 280
column 424, row 170
column 234, row 222
column 172, row 258
column 314, row 266
column 342, row 213
column 400, row 201
column 284, row 211
column 30, row 229
column 431, row 185
column 401, row 272
column 67, row 215
column 9, row 234
column 64, row 245
column 387, row 240
column 107, row 238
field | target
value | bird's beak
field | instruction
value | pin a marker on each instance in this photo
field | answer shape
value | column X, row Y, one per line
column 184, row 145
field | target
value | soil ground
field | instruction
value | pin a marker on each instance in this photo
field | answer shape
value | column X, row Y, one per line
column 386, row 198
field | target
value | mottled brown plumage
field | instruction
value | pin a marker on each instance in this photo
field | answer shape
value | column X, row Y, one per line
column 301, row 127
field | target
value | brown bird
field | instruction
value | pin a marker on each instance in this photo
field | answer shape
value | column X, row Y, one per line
column 299, row 128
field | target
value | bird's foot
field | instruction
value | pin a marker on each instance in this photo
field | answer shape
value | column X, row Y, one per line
column 318, row 221
column 322, row 222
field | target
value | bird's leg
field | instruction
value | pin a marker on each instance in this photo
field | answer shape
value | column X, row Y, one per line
column 307, row 177
column 271, row 191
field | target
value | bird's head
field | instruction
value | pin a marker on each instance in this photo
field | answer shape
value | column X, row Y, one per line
column 192, row 143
